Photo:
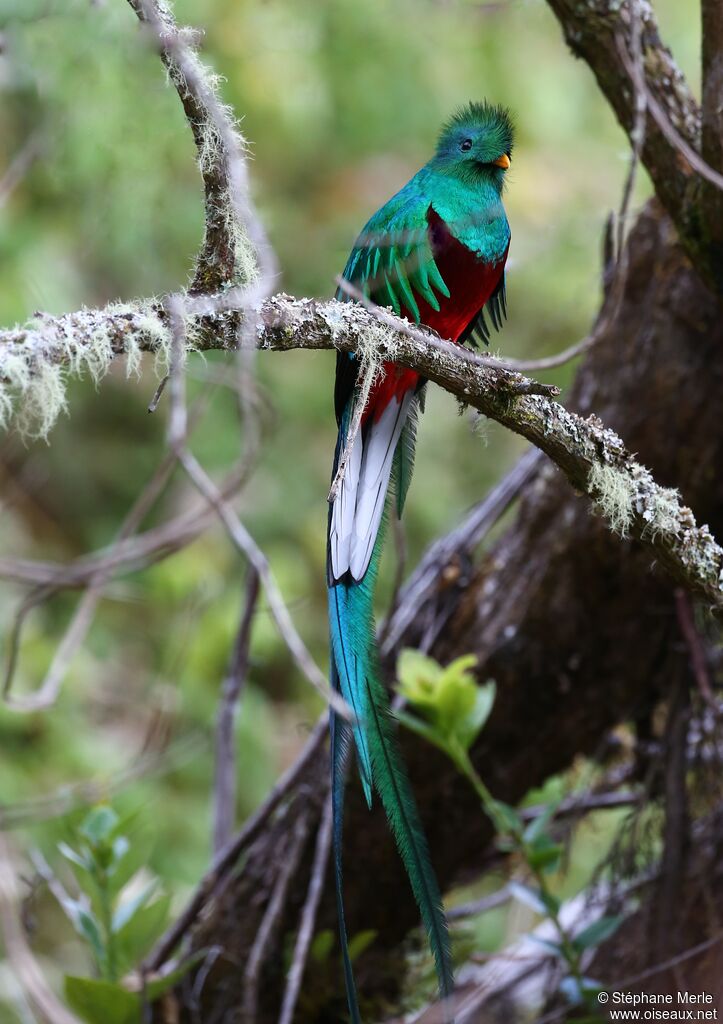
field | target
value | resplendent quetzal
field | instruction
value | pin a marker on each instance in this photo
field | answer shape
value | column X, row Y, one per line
column 434, row 253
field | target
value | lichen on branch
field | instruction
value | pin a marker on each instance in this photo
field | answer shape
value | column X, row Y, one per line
column 35, row 358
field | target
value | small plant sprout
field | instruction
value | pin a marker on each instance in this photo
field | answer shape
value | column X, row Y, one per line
column 452, row 711
column 119, row 911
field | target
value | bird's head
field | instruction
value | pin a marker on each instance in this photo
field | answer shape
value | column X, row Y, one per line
column 476, row 143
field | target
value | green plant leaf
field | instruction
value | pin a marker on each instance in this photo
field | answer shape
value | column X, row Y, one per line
column 581, row 991
column 532, row 898
column 102, row 1002
column 129, row 906
column 73, row 856
column 136, row 937
column 361, row 941
column 88, row 926
column 552, row 903
column 538, row 826
column 322, row 945
column 155, row 987
column 570, row 988
column 418, row 676
column 552, row 947
column 597, row 932
column 508, row 817
column 475, row 720
column 544, row 854
column 85, row 923
column 456, row 690
column 136, row 856
column 99, row 824
column 119, row 849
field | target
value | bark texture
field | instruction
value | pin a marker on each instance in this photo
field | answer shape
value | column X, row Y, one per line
column 579, row 631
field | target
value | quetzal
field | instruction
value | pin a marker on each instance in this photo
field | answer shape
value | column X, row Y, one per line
column 435, row 253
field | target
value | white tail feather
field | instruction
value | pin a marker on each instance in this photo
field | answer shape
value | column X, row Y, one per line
column 359, row 504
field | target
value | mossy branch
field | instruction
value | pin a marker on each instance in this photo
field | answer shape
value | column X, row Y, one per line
column 34, row 360
column 233, row 236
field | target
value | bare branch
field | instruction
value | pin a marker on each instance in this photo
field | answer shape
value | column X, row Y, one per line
column 308, row 916
column 230, row 218
column 224, row 788
column 20, row 165
column 250, row 549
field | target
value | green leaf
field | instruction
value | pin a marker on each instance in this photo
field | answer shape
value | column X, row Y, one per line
column 137, row 936
column 129, row 906
column 552, row 903
column 102, row 1002
column 85, row 923
column 418, row 676
column 538, row 826
column 136, row 856
column 119, row 849
column 597, row 932
column 89, row 928
column 508, row 817
column 73, row 856
column 544, row 854
column 456, row 693
column 155, row 987
column 322, row 945
column 475, row 720
column 581, row 991
column 553, row 947
column 99, row 824
column 570, row 988
column 361, row 941
column 532, row 898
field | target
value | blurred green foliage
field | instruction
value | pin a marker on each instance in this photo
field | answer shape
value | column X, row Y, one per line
column 341, row 102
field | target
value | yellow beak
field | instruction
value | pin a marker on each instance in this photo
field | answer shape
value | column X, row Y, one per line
column 502, row 161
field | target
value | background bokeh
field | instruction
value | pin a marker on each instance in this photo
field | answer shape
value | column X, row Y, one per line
column 341, row 102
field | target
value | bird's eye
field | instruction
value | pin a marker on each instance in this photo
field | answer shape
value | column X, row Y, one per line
column 465, row 145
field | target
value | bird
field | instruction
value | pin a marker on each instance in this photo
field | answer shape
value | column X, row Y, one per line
column 435, row 253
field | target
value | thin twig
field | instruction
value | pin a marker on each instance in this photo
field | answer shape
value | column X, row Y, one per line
column 279, row 611
column 686, row 621
column 47, row 693
column 308, row 916
column 554, row 361
column 480, row 906
column 177, row 430
column 637, row 141
column 224, row 788
column 429, row 337
column 20, row 165
column 666, row 126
